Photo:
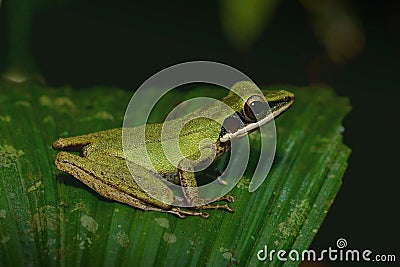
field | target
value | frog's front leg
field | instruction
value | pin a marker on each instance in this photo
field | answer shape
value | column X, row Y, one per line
column 191, row 193
column 114, row 182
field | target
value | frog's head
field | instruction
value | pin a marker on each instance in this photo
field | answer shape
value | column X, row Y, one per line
column 251, row 108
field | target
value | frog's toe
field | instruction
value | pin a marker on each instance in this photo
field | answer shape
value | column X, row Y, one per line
column 224, row 207
column 228, row 198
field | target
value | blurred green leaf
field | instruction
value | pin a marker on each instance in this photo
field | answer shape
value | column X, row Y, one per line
column 49, row 218
column 244, row 21
column 337, row 27
column 19, row 62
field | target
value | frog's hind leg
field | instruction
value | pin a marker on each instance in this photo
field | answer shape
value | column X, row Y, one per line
column 76, row 143
column 84, row 170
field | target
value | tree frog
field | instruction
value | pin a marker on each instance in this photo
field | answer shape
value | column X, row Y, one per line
column 102, row 164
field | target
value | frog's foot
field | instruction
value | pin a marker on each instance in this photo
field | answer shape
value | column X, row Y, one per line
column 175, row 211
column 202, row 204
column 214, row 207
column 181, row 213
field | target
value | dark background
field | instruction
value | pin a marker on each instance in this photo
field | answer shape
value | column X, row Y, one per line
column 119, row 43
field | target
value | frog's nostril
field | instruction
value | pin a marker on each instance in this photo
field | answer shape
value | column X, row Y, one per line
column 287, row 98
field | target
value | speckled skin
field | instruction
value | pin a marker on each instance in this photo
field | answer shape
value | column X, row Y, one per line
column 103, row 164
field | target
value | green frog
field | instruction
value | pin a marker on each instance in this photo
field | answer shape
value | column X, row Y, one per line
column 103, row 163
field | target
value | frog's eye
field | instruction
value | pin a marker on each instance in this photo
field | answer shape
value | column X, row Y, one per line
column 254, row 108
column 232, row 123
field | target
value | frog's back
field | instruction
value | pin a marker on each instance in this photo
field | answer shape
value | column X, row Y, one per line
column 136, row 149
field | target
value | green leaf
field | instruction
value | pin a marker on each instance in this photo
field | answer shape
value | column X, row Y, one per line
column 49, row 218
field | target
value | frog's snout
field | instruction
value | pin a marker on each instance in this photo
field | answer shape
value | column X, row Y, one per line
column 58, row 144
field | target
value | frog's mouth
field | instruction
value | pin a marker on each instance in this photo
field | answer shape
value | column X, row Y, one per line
column 237, row 125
